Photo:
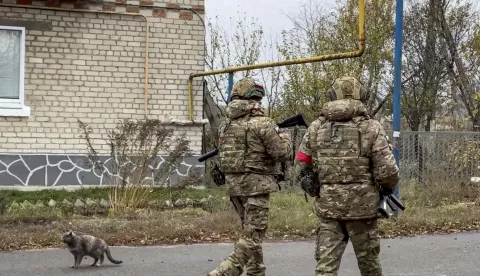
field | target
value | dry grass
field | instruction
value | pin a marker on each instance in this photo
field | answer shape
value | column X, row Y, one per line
column 443, row 219
column 434, row 194
column 439, row 208
column 141, row 228
column 436, row 208
column 291, row 214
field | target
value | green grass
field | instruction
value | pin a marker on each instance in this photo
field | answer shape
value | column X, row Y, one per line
column 57, row 195
column 161, row 194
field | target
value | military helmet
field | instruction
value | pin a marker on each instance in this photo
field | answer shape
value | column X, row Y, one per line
column 346, row 88
column 248, row 88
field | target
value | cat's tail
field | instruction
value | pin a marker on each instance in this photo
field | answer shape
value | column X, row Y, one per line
column 110, row 258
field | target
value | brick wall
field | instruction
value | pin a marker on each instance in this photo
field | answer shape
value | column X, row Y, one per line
column 90, row 66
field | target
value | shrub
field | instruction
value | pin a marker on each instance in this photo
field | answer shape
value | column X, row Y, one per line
column 134, row 162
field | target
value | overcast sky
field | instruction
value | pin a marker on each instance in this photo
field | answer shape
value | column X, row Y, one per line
column 270, row 13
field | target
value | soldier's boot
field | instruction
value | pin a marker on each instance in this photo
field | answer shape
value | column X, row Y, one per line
column 226, row 269
column 219, row 272
column 256, row 270
column 234, row 263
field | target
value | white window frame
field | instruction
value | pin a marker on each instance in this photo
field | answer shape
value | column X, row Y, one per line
column 16, row 107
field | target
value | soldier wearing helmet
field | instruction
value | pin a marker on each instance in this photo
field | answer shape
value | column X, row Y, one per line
column 346, row 88
column 351, row 157
column 248, row 88
column 249, row 150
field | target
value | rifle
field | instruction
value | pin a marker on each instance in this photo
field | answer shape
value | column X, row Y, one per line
column 390, row 200
column 297, row 120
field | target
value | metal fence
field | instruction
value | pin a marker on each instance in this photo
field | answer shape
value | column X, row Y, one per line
column 439, row 157
column 433, row 157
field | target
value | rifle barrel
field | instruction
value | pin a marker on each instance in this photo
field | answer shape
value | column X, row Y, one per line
column 397, row 202
column 208, row 155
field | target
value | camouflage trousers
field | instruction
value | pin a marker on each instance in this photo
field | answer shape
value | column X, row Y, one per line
column 253, row 212
column 332, row 239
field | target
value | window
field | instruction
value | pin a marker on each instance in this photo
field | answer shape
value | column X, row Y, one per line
column 12, row 64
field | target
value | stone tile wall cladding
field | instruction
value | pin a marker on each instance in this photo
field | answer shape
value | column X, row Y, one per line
column 90, row 66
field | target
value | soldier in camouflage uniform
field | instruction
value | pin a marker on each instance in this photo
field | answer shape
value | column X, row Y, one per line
column 352, row 158
column 250, row 148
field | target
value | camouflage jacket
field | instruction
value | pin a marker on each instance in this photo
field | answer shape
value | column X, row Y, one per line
column 250, row 149
column 349, row 173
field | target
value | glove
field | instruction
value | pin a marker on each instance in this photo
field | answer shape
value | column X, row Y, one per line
column 217, row 175
column 284, row 134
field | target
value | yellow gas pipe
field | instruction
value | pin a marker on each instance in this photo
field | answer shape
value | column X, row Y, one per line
column 357, row 53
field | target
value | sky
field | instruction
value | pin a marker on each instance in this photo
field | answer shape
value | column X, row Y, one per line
column 270, row 13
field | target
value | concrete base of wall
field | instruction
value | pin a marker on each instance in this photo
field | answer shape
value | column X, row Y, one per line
column 51, row 170
column 68, row 188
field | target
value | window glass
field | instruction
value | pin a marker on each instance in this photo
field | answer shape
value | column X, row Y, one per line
column 10, row 42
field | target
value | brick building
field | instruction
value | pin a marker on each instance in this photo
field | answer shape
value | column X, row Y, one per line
column 68, row 60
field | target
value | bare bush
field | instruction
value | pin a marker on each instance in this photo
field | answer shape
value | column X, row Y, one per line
column 133, row 165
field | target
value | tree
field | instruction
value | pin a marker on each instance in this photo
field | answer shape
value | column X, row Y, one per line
column 459, row 32
column 272, row 79
column 424, row 65
column 242, row 44
column 317, row 32
column 237, row 46
column 305, row 87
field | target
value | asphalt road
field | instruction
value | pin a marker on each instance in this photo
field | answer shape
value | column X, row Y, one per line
column 446, row 255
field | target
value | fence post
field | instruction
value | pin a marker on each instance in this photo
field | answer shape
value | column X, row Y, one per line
column 230, row 86
column 397, row 84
